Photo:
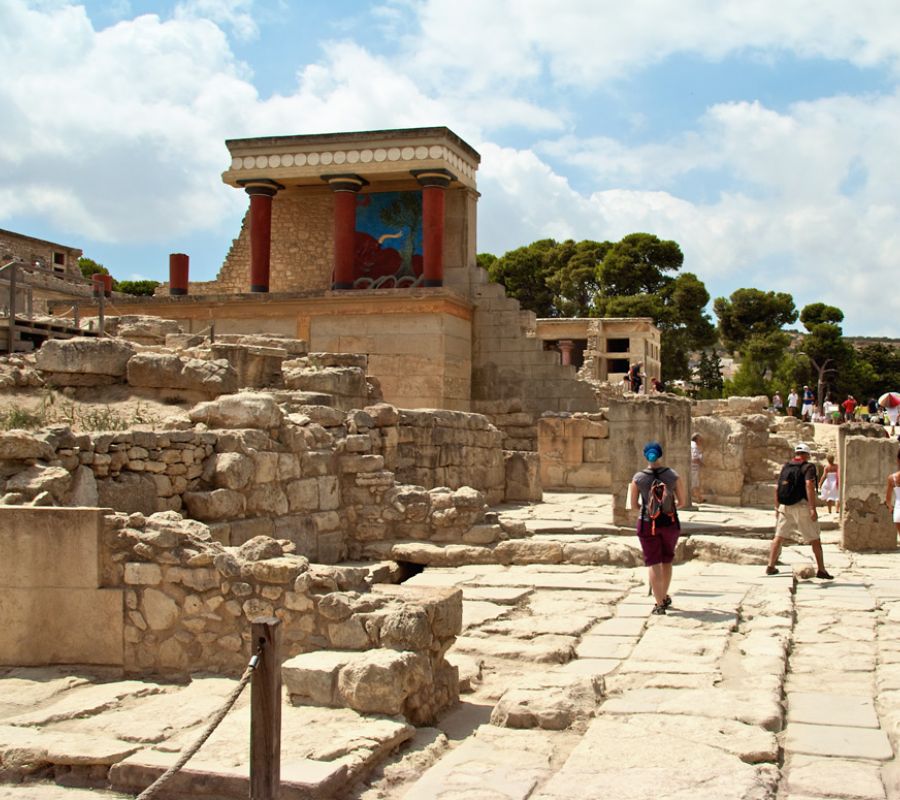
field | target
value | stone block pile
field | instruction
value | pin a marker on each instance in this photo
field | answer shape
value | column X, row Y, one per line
column 519, row 427
column 189, row 602
column 341, row 375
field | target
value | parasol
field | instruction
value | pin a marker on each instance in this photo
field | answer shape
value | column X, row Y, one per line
column 889, row 400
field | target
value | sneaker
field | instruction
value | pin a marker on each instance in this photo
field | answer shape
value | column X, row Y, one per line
column 667, row 603
column 771, row 571
column 659, row 609
column 824, row 575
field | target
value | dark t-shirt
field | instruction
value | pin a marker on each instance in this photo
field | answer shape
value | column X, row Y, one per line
column 808, row 471
column 644, row 479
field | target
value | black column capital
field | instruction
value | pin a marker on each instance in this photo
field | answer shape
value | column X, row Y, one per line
column 263, row 186
column 345, row 182
column 440, row 178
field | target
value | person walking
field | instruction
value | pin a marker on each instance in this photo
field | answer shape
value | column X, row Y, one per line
column 809, row 399
column 661, row 492
column 793, row 402
column 696, row 466
column 796, row 517
column 777, row 403
column 829, row 490
column 849, row 406
column 892, row 495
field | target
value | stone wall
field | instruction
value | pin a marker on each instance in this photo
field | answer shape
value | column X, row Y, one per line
column 37, row 251
column 301, row 256
column 158, row 595
column 451, row 448
column 519, row 427
column 633, row 423
column 509, row 364
column 318, row 477
column 866, row 523
column 574, row 451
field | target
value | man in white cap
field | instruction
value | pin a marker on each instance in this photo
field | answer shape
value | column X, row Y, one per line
column 796, row 518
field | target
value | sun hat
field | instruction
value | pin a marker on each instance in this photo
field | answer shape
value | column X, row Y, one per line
column 802, row 447
column 653, row 451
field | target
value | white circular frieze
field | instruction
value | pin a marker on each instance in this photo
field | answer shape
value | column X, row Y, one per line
column 287, row 161
column 365, row 156
column 408, row 153
column 326, row 158
column 394, row 154
column 261, row 162
column 237, row 163
column 436, row 151
column 299, row 159
column 312, row 159
column 421, row 152
column 353, row 156
column 274, row 161
column 380, row 154
column 340, row 157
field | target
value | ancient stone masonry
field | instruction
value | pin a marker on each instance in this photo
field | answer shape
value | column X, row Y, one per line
column 574, row 451
column 866, row 522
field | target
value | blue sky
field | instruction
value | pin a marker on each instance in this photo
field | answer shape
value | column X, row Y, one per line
column 760, row 136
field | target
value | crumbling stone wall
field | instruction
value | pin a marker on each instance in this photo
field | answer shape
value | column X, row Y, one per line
column 519, row 427
column 450, row 448
column 867, row 459
column 302, row 225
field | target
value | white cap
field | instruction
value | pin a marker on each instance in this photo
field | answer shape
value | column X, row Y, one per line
column 802, row 447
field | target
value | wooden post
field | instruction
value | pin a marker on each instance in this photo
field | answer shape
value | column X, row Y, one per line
column 101, row 317
column 265, row 712
column 12, row 308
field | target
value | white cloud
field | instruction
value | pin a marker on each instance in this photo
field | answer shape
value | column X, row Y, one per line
column 233, row 14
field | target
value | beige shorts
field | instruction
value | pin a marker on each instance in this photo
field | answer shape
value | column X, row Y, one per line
column 795, row 525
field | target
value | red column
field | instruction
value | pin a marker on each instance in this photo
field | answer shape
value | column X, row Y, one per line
column 433, row 183
column 345, row 188
column 261, row 192
column 178, row 273
column 565, row 348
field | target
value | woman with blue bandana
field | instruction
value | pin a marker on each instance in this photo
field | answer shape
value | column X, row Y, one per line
column 658, row 527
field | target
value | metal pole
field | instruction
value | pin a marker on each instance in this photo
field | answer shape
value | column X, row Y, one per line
column 265, row 711
column 12, row 307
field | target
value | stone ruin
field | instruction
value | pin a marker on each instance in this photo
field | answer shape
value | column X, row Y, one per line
column 283, row 467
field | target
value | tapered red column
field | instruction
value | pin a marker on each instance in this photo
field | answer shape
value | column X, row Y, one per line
column 565, row 348
column 345, row 188
column 261, row 193
column 179, row 265
column 434, row 183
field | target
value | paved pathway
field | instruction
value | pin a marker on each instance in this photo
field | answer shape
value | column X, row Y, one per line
column 752, row 687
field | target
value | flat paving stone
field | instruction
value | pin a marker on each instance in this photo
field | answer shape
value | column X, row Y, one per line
column 832, row 777
column 620, row 626
column 651, row 757
column 605, row 646
column 494, row 763
column 837, row 741
column 591, row 666
column 548, row 648
column 823, row 708
column 475, row 613
column 494, row 594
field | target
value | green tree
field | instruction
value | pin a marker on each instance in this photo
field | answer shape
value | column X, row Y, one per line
column 141, row 288
column 484, row 260
column 524, row 272
column 878, row 370
column 761, row 357
column 90, row 267
column 832, row 359
column 708, row 379
column 573, row 276
column 638, row 265
column 752, row 312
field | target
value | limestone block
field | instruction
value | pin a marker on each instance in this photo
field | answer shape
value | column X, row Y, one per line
column 525, row 551
column 18, row 445
column 83, row 491
column 552, row 701
column 596, row 450
column 266, row 499
column 129, row 493
column 312, row 677
column 38, row 478
column 258, row 548
column 142, row 574
column 160, row 610
column 218, row 504
column 84, row 361
column 163, row 371
column 230, row 470
column 379, row 681
column 244, row 410
column 383, row 415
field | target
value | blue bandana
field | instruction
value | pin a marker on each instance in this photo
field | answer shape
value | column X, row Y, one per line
column 653, row 451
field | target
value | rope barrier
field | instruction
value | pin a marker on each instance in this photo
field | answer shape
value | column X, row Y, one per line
column 159, row 784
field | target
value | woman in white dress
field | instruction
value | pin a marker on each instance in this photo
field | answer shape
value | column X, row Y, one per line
column 892, row 495
column 829, row 490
